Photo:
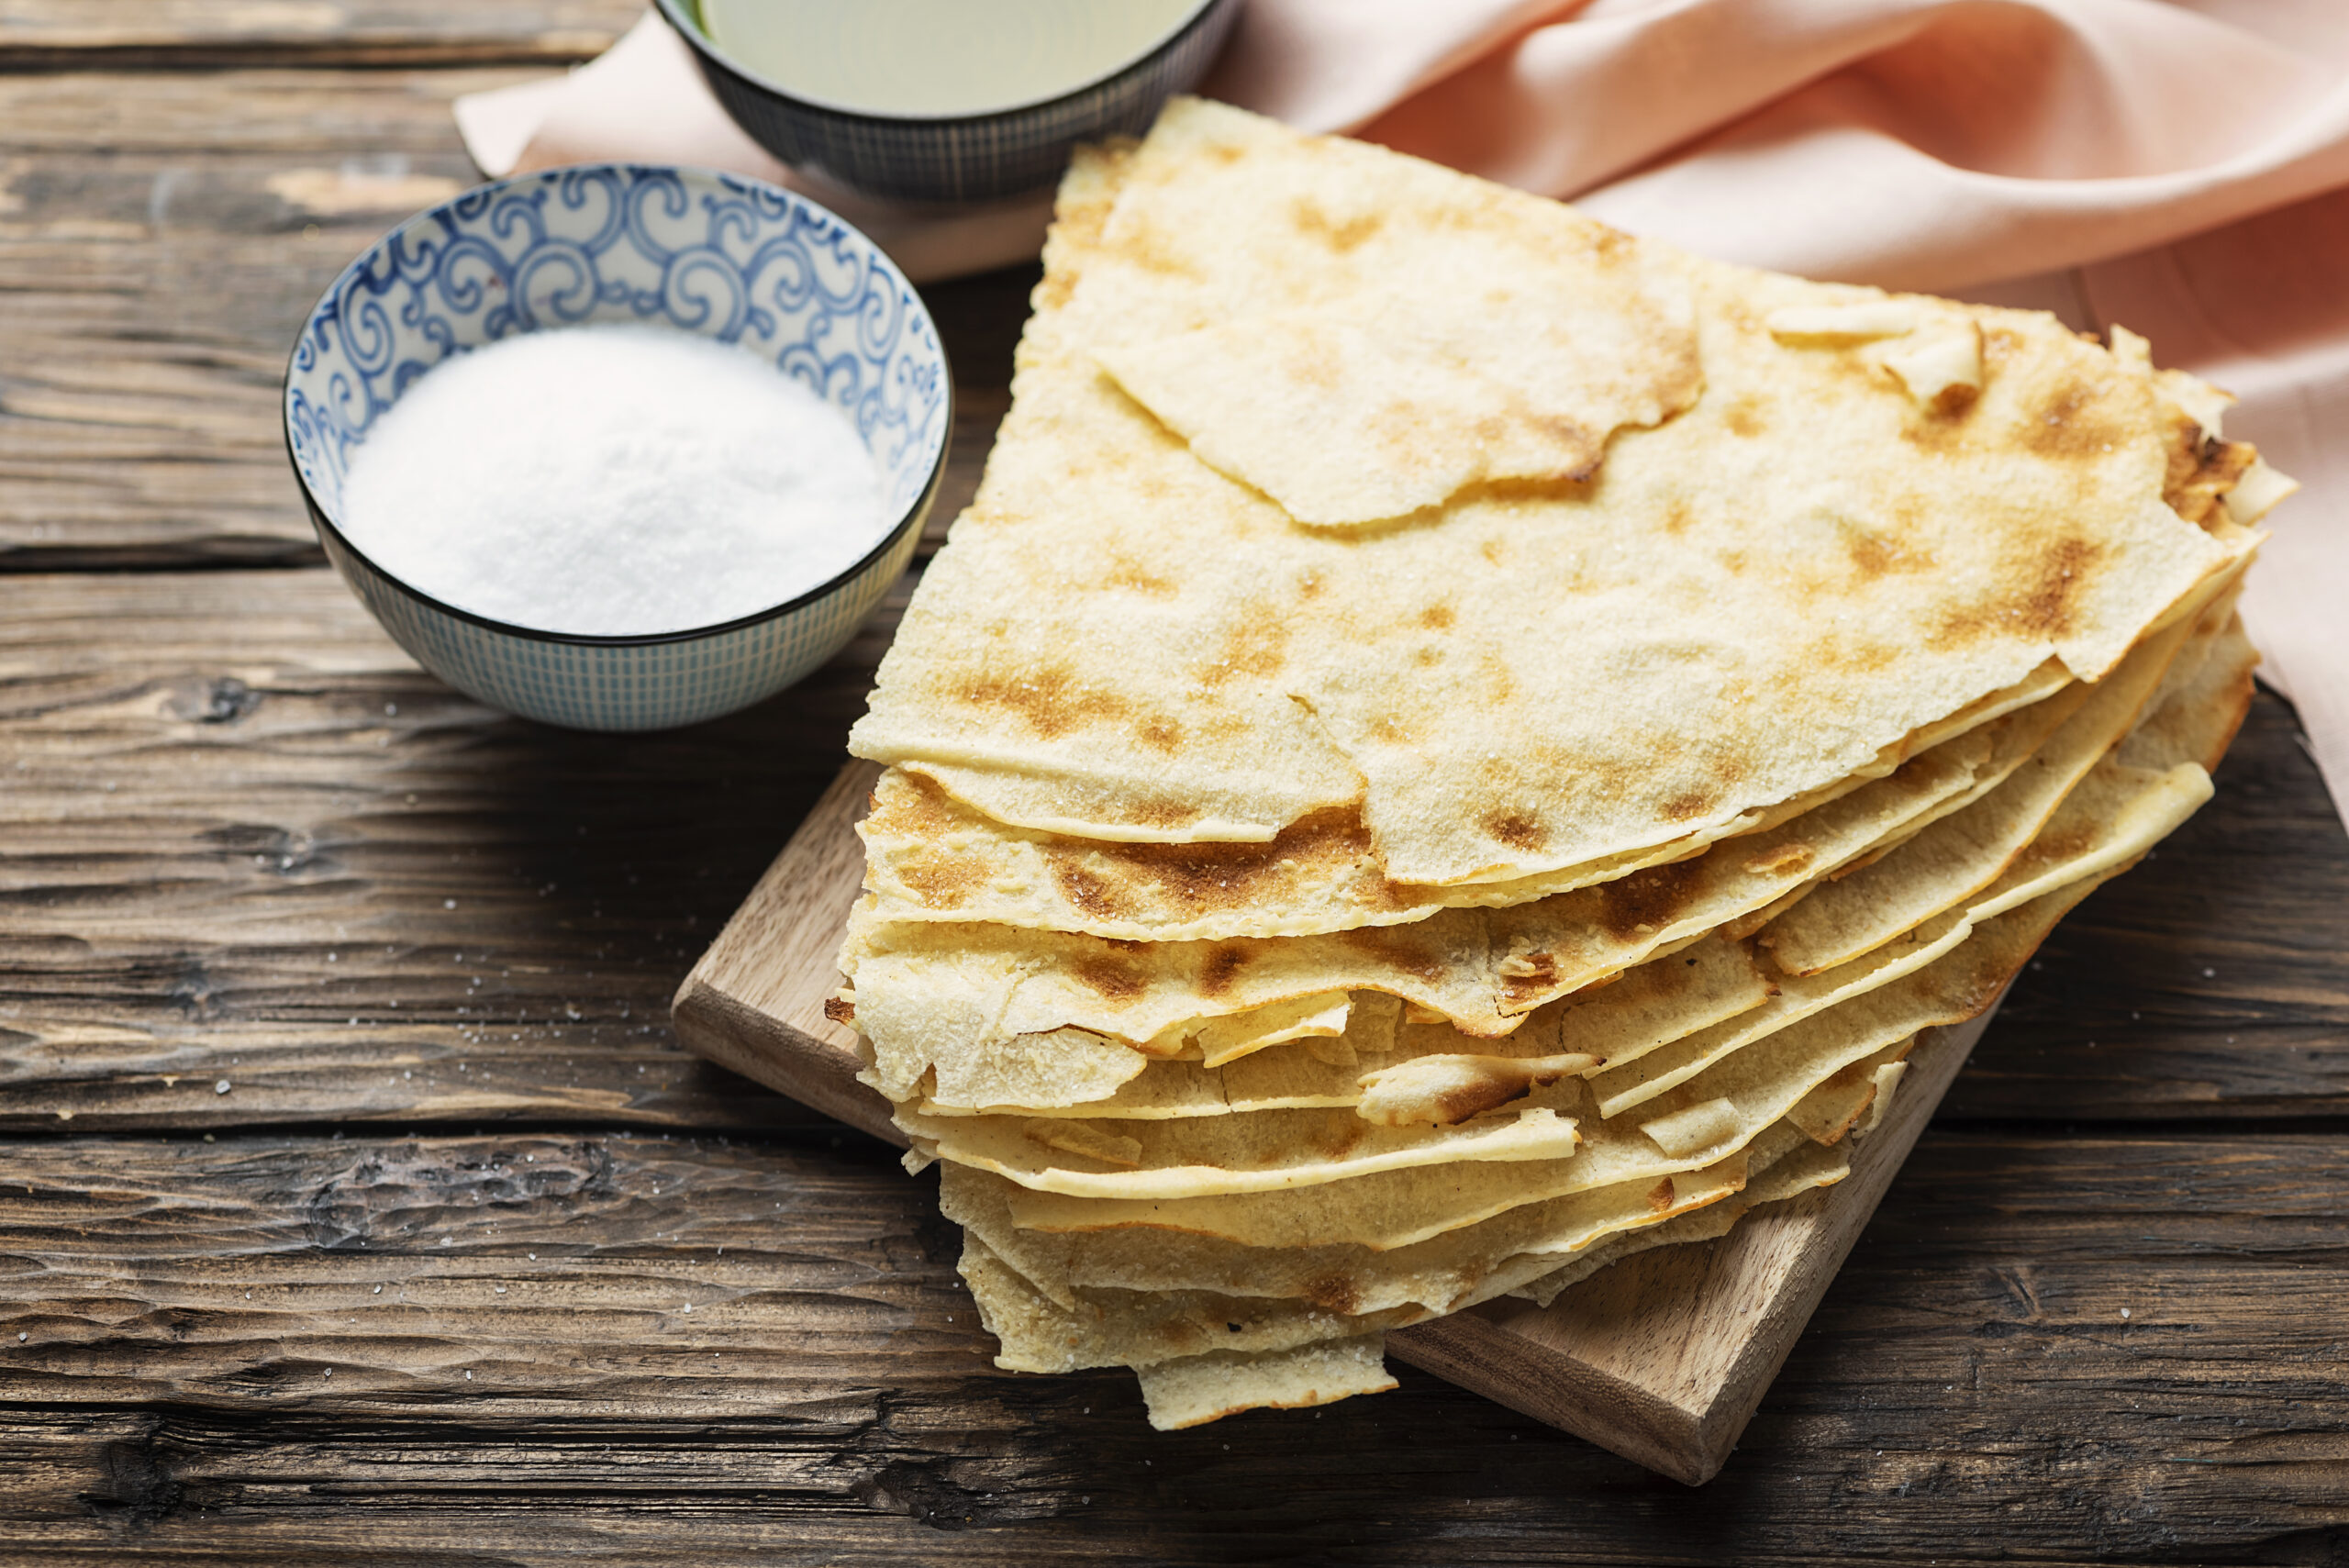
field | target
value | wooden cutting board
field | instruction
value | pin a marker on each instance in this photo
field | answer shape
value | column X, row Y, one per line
column 1661, row 1358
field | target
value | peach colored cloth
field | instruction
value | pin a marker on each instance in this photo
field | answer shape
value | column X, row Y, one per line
column 2178, row 166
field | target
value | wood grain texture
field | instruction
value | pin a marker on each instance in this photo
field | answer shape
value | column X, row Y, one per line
column 255, row 845
column 38, row 34
column 162, row 238
column 152, row 282
column 1969, row 1390
column 754, row 1002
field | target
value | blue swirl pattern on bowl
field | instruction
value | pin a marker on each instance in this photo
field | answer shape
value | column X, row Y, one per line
column 962, row 158
column 727, row 258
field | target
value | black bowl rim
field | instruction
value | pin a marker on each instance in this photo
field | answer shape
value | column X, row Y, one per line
column 915, row 511
column 673, row 13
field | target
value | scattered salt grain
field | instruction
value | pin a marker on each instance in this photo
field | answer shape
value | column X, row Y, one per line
column 613, row 479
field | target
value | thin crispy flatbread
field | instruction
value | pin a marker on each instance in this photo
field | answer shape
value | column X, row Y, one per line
column 2199, row 721
column 1436, row 1273
column 963, row 999
column 1965, row 851
column 1097, row 1325
column 1653, row 1004
column 928, row 857
column 1140, row 1328
column 2111, row 818
column 1520, row 374
column 1265, row 1152
column 1756, row 1085
column 1921, row 556
column 1805, row 1170
column 1618, row 1088
column 1198, row 1389
column 1880, row 626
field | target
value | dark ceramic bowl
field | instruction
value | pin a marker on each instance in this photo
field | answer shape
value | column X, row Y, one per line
column 956, row 159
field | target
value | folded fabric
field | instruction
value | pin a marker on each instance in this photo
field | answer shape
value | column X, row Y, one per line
column 2171, row 163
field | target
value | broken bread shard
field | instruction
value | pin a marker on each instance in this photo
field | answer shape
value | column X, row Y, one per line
column 1453, row 745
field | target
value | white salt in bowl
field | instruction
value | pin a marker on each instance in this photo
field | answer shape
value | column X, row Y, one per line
column 735, row 259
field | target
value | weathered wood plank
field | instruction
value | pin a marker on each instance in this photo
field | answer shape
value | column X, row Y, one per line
column 161, row 238
column 152, row 280
column 254, row 844
column 41, row 35
column 210, row 782
column 1969, row 1390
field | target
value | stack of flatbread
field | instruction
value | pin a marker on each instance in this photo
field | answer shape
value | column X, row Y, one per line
column 1455, row 744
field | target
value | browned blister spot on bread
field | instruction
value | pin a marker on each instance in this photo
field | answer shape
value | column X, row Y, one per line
column 1112, row 881
column 2052, row 602
column 1340, row 1135
column 1341, row 235
column 1394, row 947
column 1142, row 246
column 2040, row 595
column 1689, row 803
column 1085, row 893
column 1164, row 814
column 1876, row 554
column 1160, row 733
column 941, row 881
column 1333, row 1293
column 1129, row 574
column 2081, row 420
column 1517, row 830
column 1106, row 976
column 1052, row 701
column 1222, row 970
column 1786, row 860
column 1256, row 645
column 1647, row 901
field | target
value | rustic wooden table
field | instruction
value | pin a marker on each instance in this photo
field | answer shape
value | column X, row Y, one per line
column 357, row 1206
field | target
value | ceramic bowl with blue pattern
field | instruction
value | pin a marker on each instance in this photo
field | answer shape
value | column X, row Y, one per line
column 727, row 258
column 956, row 159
